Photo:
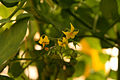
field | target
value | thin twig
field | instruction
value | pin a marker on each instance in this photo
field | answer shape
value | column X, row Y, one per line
column 28, row 64
column 95, row 22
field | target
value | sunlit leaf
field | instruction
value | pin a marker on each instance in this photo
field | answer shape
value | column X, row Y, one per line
column 11, row 39
column 4, row 20
column 79, row 69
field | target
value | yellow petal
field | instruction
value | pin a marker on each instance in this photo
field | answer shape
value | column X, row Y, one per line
column 97, row 65
column 63, row 45
column 85, row 46
column 67, row 34
column 41, row 40
column 73, row 34
column 46, row 40
column 65, row 41
column 59, row 43
column 72, row 27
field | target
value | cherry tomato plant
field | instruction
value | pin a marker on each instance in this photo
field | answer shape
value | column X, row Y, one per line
column 62, row 39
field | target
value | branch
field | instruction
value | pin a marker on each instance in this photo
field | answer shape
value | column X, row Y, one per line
column 105, row 39
column 15, row 11
column 80, row 20
column 117, row 20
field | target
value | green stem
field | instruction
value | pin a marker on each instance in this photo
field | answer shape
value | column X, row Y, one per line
column 53, row 38
column 56, row 73
column 61, row 54
column 28, row 64
column 95, row 23
column 106, row 29
column 15, row 11
column 22, row 59
column 80, row 20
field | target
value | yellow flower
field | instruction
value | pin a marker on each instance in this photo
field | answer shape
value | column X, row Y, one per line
column 71, row 34
column 85, row 47
column 44, row 41
column 96, row 62
column 63, row 43
column 97, row 65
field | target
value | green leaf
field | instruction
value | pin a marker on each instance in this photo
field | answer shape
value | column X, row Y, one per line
column 106, row 45
column 109, row 9
column 4, row 20
column 5, row 12
column 104, row 57
column 50, row 3
column 85, row 14
column 118, row 2
column 96, row 76
column 112, row 33
column 79, row 69
column 65, row 3
column 15, row 69
column 11, row 39
column 92, row 3
column 2, row 77
column 24, row 15
column 102, row 24
column 94, row 43
column 113, row 74
column 118, row 27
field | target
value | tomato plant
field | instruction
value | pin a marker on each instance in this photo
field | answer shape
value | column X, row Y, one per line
column 89, row 26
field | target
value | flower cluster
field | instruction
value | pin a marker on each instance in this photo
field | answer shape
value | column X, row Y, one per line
column 70, row 34
column 63, row 43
